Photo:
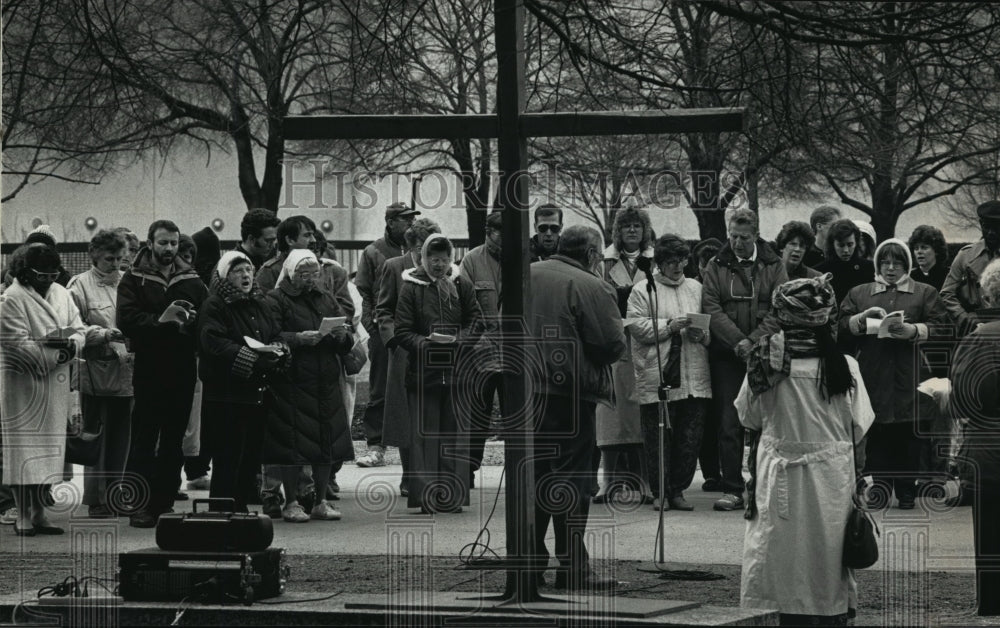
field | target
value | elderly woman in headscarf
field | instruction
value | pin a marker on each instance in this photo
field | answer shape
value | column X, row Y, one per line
column 40, row 331
column 105, row 373
column 619, row 431
column 889, row 363
column 396, row 428
column 436, row 316
column 235, row 375
column 809, row 404
column 309, row 423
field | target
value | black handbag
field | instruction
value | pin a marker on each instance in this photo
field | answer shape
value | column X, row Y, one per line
column 83, row 447
column 355, row 359
column 860, row 544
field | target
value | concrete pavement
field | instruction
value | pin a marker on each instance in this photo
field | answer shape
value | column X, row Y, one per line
column 377, row 522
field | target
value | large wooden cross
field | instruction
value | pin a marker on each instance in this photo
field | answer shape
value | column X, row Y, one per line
column 512, row 127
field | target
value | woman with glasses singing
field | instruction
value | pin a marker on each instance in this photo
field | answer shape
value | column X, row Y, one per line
column 40, row 331
column 682, row 358
column 887, row 356
column 619, row 431
column 309, row 423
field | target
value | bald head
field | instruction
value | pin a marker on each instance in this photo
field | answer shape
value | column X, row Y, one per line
column 580, row 243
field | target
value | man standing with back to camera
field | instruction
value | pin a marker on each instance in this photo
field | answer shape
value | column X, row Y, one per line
column 571, row 305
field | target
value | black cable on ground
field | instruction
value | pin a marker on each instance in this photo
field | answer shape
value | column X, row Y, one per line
column 468, row 555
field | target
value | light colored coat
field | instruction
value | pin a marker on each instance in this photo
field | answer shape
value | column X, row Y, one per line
column 793, row 549
column 671, row 302
column 96, row 298
column 34, row 386
column 620, row 425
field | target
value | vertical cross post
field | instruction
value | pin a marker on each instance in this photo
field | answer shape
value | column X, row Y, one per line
column 512, row 148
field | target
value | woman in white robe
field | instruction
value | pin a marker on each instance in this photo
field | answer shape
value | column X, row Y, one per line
column 40, row 331
column 807, row 400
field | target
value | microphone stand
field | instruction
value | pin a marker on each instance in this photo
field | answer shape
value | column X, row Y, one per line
column 659, row 560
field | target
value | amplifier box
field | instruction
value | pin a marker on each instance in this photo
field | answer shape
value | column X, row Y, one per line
column 155, row 575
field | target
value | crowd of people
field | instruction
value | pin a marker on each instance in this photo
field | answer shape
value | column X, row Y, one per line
column 244, row 362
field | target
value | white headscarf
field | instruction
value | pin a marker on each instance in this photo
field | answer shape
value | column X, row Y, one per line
column 228, row 260
column 909, row 260
column 292, row 261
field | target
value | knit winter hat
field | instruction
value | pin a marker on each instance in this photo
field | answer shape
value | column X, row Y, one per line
column 43, row 234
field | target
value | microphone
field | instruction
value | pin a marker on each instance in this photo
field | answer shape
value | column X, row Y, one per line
column 645, row 264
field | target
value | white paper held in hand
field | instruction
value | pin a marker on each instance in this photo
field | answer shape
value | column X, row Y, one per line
column 699, row 320
column 331, row 323
column 259, row 346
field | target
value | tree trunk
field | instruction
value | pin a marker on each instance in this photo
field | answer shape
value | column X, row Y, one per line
column 247, row 171
column 475, row 187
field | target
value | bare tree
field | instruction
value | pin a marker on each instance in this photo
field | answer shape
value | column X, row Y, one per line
column 683, row 55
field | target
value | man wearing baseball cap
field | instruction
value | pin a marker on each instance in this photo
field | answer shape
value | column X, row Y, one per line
column 398, row 218
column 960, row 292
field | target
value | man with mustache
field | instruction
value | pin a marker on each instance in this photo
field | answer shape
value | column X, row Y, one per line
column 164, row 372
column 960, row 292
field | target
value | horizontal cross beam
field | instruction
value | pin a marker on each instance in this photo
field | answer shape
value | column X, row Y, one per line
column 450, row 126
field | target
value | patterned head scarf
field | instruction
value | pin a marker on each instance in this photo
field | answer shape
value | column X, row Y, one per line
column 804, row 302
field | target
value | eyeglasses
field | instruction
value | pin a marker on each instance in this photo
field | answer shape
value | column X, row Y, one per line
column 49, row 276
column 736, row 297
column 549, row 228
column 889, row 263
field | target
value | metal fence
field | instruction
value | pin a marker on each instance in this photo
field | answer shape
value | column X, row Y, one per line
column 76, row 260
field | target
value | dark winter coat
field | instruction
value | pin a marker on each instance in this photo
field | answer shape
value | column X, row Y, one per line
column 934, row 278
column 367, row 279
column 230, row 371
column 888, row 365
column 975, row 371
column 389, row 284
column 739, row 299
column 577, row 330
column 333, row 279
column 423, row 308
column 847, row 275
column 309, row 423
column 164, row 352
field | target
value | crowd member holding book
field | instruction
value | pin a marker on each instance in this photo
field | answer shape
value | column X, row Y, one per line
column 240, row 350
column 158, row 301
column 105, row 373
column 435, row 314
column 888, row 359
column 309, row 423
column 396, row 428
column 683, row 358
column 40, row 331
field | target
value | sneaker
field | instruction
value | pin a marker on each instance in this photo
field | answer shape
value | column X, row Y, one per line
column 729, row 502
column 325, row 511
column 9, row 517
column 199, row 484
column 374, row 458
column 293, row 513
